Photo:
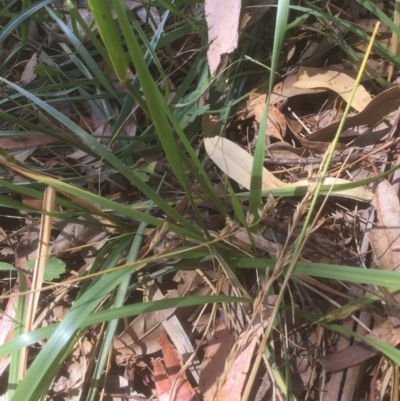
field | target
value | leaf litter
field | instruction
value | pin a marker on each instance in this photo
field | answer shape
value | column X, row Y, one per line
column 206, row 352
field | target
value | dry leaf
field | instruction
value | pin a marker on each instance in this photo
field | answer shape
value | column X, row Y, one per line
column 341, row 83
column 234, row 384
column 74, row 235
column 386, row 232
column 216, row 354
column 165, row 378
column 384, row 235
column 360, row 193
column 284, row 150
column 142, row 13
column 28, row 75
column 350, row 356
column 163, row 385
column 276, row 126
column 237, row 164
column 223, row 24
column 230, row 371
column 378, row 108
column 360, row 352
column 140, row 337
column 282, row 91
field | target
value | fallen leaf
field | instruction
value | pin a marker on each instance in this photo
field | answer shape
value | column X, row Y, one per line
column 29, row 75
column 161, row 380
column 384, row 235
column 386, row 232
column 360, row 352
column 317, row 146
column 360, row 193
column 74, row 235
column 342, row 84
column 237, row 164
column 276, row 126
column 143, row 14
column 350, row 356
column 283, row 90
column 223, row 29
column 231, row 368
column 167, row 380
column 283, row 150
column 378, row 108
column 216, row 354
column 140, row 337
column 233, row 386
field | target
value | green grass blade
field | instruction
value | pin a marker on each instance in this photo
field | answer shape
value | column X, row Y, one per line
column 108, row 31
column 118, row 313
column 351, row 274
column 41, row 372
column 259, row 152
column 19, row 328
column 155, row 101
column 105, row 153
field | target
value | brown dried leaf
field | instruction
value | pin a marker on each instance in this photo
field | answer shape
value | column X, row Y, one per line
column 140, row 337
column 350, row 356
column 214, row 360
column 13, row 144
column 229, row 385
column 283, row 150
column 276, row 126
column 74, row 235
column 386, row 232
column 360, row 352
column 161, row 380
column 378, row 108
column 339, row 82
column 282, row 91
column 183, row 390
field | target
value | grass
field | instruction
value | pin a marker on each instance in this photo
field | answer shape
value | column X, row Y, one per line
column 137, row 207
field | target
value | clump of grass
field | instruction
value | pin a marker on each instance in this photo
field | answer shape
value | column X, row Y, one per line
column 74, row 82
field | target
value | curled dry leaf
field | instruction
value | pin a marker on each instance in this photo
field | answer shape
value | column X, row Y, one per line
column 237, row 164
column 282, row 91
column 341, row 83
column 286, row 151
column 276, row 126
column 378, row 108
column 223, row 24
